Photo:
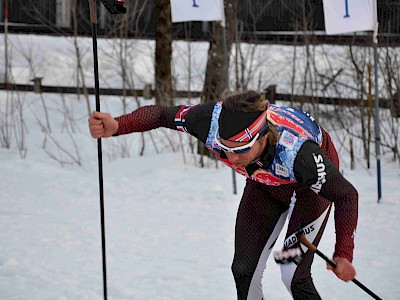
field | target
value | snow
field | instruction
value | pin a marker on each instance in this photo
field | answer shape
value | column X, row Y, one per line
column 169, row 224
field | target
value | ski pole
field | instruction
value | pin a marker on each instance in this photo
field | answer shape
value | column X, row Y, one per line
column 93, row 17
column 114, row 7
column 302, row 238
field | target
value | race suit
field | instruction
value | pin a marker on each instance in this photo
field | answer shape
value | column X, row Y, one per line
column 297, row 179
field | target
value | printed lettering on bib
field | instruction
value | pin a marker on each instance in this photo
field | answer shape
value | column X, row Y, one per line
column 281, row 170
column 288, row 139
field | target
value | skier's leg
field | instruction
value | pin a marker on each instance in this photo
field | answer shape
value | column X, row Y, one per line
column 310, row 213
column 259, row 221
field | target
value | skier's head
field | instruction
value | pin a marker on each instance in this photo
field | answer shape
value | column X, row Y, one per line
column 243, row 128
column 243, row 116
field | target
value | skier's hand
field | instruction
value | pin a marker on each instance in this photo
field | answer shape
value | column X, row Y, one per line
column 344, row 269
column 102, row 125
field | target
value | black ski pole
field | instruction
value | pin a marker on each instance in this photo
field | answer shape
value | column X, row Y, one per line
column 302, row 238
column 114, row 7
column 93, row 17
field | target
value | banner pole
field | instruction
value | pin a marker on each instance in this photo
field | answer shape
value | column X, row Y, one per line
column 376, row 119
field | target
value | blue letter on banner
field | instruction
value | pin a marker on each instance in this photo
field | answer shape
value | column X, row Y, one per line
column 347, row 9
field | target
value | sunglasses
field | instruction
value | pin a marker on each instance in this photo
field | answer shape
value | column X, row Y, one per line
column 237, row 150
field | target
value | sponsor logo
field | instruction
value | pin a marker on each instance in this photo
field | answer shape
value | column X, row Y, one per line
column 288, row 139
column 319, row 161
column 281, row 170
column 292, row 240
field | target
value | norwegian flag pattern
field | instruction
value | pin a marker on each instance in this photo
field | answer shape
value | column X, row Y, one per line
column 180, row 117
column 247, row 134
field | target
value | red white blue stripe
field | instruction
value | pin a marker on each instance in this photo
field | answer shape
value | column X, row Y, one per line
column 248, row 133
column 180, row 117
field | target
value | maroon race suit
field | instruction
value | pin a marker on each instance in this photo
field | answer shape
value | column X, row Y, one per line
column 305, row 199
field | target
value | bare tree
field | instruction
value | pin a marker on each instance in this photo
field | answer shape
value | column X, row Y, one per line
column 5, row 123
column 216, row 73
column 359, row 63
column 124, row 44
column 80, row 76
column 390, row 122
column 163, row 53
column 18, row 123
column 215, row 80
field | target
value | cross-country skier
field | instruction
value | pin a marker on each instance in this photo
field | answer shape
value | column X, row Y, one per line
column 292, row 172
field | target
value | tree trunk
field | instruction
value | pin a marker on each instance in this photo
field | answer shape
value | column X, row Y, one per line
column 163, row 81
column 215, row 81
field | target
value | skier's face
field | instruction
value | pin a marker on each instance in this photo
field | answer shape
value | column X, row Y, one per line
column 244, row 159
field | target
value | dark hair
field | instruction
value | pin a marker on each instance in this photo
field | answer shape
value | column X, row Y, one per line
column 250, row 101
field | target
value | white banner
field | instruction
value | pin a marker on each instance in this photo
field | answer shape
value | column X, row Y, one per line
column 197, row 10
column 345, row 16
column 63, row 13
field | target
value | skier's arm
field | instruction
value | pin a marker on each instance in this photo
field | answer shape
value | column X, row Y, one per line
column 193, row 119
column 147, row 118
column 314, row 169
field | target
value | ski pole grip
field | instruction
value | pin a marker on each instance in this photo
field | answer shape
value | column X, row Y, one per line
column 93, row 11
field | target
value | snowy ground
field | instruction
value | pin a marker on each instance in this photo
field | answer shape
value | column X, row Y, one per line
column 169, row 233
column 169, row 225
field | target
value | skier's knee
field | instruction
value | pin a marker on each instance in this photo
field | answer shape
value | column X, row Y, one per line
column 243, row 275
column 241, row 270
